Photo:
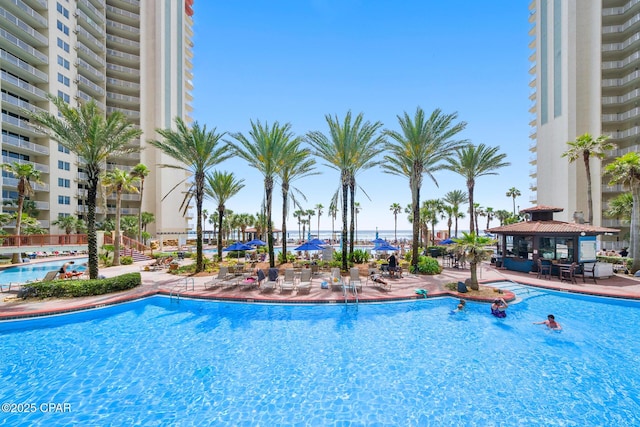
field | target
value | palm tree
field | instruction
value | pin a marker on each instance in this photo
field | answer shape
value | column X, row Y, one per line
column 472, row 248
column 395, row 208
column 319, row 208
column 67, row 223
column 196, row 151
column 220, row 187
column 266, row 152
column 140, row 171
column 621, row 207
column 432, row 211
column 93, row 138
column 513, row 192
column 455, row 198
column 502, row 216
column 625, row 170
column 357, row 211
column 490, row 214
column 24, row 173
column 119, row 181
column 147, row 218
column 297, row 164
column 586, row 147
column 310, row 213
column 299, row 214
column 421, row 148
column 473, row 162
column 333, row 213
column 350, row 147
column 205, row 215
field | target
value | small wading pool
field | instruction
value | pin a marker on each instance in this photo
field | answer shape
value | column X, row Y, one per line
column 156, row 362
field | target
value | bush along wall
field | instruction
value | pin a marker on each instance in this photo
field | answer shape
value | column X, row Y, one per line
column 82, row 288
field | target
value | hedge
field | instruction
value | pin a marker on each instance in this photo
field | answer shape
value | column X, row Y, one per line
column 82, row 288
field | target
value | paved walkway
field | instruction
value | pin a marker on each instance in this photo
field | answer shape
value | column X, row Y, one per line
column 161, row 282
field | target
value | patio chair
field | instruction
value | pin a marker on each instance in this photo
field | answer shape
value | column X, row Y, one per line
column 588, row 269
column 288, row 282
column 336, row 279
column 374, row 279
column 354, row 279
column 568, row 273
column 272, row 280
column 305, row 281
column 223, row 275
column 544, row 269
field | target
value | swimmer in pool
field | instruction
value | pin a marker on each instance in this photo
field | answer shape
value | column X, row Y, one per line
column 550, row 322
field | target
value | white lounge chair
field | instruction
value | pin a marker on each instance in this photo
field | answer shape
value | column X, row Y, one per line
column 354, row 279
column 288, row 282
column 336, row 279
column 223, row 275
column 271, row 282
column 305, row 280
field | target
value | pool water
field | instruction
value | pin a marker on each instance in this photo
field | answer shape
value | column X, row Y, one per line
column 158, row 362
column 36, row 271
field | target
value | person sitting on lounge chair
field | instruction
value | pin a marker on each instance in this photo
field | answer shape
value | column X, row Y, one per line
column 377, row 278
column 63, row 273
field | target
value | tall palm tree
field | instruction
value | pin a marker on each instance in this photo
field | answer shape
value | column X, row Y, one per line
column 118, row 181
column 140, row 171
column 420, row 148
column 319, row 208
column 197, row 151
column 432, row 211
column 472, row 162
column 455, row 198
column 333, row 213
column 502, row 216
column 490, row 214
column 472, row 248
column 265, row 150
column 395, row 208
column 350, row 147
column 297, row 164
column 621, row 207
column 586, row 147
column 310, row 213
column 24, row 173
column 220, row 187
column 67, row 223
column 93, row 138
column 299, row 215
column 358, row 208
column 625, row 170
column 513, row 192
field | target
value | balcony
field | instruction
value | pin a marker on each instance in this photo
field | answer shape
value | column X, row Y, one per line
column 90, row 9
column 132, row 114
column 124, row 4
column 123, row 30
column 19, row 103
column 623, row 99
column 122, row 15
column 125, row 197
column 86, row 98
column 26, row 146
column 18, row 66
column 620, row 47
column 85, row 36
column 37, row 166
column 123, row 99
column 123, row 57
column 614, row 188
column 130, row 45
column 628, row 79
column 89, row 55
column 90, row 71
column 627, row 115
column 87, row 84
column 11, row 43
column 24, row 30
column 26, row 13
column 622, row 151
column 94, row 27
column 122, row 85
column 13, row 183
column 20, row 126
column 121, row 71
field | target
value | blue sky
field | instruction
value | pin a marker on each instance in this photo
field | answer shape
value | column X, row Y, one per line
column 297, row 60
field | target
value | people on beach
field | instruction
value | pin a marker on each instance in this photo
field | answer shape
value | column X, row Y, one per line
column 550, row 322
column 499, row 307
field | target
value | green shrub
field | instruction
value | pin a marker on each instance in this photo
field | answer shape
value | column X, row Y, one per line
column 359, row 256
column 83, row 288
column 126, row 260
column 428, row 265
column 289, row 258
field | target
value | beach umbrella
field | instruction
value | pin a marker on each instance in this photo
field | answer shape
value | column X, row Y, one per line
column 378, row 241
column 256, row 242
column 308, row 246
column 384, row 247
column 317, row 242
column 447, row 242
column 238, row 246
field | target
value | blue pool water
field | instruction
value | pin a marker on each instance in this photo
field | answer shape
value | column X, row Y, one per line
column 36, row 271
column 155, row 362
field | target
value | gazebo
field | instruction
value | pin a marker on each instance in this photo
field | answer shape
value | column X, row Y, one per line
column 521, row 244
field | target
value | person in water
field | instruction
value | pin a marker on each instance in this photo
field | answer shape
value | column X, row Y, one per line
column 461, row 305
column 550, row 322
column 499, row 307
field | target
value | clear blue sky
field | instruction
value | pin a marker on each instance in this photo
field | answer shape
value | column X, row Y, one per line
column 297, row 60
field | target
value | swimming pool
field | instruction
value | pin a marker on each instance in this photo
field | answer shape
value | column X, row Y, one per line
column 28, row 272
column 155, row 362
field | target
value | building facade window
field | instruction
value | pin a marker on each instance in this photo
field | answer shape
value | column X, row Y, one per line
column 63, row 149
column 63, row 45
column 62, row 165
column 63, row 79
column 63, row 182
column 62, row 10
column 64, row 200
column 63, row 28
column 66, row 98
column 63, row 62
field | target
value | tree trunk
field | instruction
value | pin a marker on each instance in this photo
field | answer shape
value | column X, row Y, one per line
column 587, row 166
column 345, row 205
column 116, row 239
column 140, row 211
column 220, row 219
column 285, row 196
column 473, row 266
column 415, row 200
column 268, row 187
column 199, row 201
column 92, row 238
column 352, row 203
column 634, row 249
column 470, row 187
column 16, row 258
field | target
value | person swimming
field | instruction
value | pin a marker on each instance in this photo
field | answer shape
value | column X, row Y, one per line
column 550, row 322
column 499, row 307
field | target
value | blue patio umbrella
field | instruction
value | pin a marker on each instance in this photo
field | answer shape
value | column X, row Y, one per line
column 308, row 246
column 317, row 242
column 238, row 246
column 447, row 242
column 378, row 241
column 384, row 247
column 256, row 242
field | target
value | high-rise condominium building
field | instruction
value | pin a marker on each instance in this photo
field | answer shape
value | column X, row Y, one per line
column 586, row 79
column 132, row 56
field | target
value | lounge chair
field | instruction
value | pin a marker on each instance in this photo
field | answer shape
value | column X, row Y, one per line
column 374, row 280
column 305, row 280
column 354, row 279
column 223, row 275
column 336, row 279
column 288, row 282
column 51, row 275
column 272, row 280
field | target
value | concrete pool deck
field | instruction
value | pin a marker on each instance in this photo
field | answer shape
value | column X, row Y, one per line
column 161, row 282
